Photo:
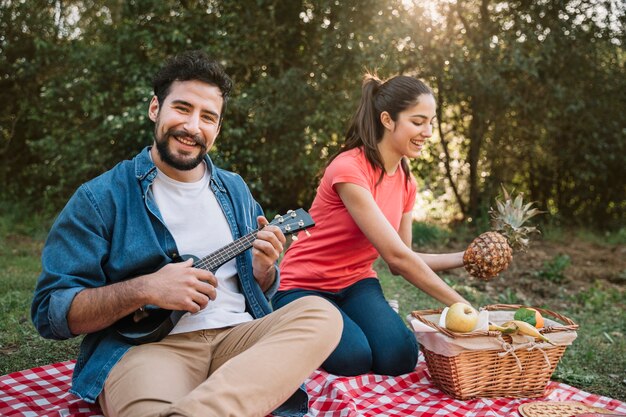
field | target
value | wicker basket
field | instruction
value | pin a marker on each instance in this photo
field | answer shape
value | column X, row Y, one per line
column 494, row 373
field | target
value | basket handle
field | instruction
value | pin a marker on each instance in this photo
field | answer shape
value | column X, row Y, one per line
column 454, row 335
column 569, row 326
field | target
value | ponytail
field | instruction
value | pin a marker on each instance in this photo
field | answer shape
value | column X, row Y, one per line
column 365, row 129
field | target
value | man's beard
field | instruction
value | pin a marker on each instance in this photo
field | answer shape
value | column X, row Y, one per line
column 170, row 158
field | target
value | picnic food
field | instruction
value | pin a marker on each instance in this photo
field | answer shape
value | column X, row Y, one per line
column 461, row 317
column 526, row 329
column 505, row 330
column 491, row 252
column 530, row 316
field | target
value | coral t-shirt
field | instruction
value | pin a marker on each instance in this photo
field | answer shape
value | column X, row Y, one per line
column 337, row 254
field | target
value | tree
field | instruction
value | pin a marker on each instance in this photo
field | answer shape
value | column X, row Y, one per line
column 518, row 104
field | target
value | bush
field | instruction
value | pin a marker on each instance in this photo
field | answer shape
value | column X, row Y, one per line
column 553, row 270
column 426, row 234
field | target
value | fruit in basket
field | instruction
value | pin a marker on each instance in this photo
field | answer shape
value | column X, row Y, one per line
column 526, row 329
column 502, row 329
column 530, row 316
column 461, row 318
column 491, row 252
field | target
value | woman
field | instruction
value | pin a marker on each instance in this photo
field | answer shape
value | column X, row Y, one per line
column 363, row 210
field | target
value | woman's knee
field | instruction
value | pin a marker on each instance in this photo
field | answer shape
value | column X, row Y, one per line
column 349, row 360
column 353, row 355
column 397, row 359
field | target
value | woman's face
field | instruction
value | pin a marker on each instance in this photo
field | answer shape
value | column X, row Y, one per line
column 409, row 132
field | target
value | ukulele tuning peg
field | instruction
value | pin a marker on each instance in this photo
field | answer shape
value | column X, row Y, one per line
column 294, row 238
column 307, row 232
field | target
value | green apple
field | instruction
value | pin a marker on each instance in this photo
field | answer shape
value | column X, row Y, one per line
column 461, row 318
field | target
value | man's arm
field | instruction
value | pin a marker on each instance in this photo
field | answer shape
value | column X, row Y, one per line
column 176, row 286
column 74, row 295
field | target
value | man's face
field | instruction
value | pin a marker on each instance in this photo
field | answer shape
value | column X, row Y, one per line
column 187, row 123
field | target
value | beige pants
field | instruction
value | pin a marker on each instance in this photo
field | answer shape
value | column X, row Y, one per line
column 247, row 370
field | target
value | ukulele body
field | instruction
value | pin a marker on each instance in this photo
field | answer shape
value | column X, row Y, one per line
column 151, row 323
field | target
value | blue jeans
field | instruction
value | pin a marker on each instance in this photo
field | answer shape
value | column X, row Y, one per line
column 374, row 339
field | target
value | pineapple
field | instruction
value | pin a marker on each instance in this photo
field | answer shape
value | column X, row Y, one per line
column 491, row 252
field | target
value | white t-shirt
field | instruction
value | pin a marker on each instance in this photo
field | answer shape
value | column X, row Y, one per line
column 195, row 219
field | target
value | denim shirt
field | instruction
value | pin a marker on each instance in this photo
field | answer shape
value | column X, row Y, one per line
column 111, row 230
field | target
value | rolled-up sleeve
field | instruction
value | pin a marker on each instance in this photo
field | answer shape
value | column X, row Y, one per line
column 72, row 260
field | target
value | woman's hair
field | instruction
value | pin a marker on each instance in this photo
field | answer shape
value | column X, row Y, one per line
column 365, row 130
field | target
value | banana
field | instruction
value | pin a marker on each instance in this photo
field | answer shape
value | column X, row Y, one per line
column 527, row 329
column 502, row 329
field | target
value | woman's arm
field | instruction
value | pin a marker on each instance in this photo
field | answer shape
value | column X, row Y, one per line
column 437, row 262
column 393, row 246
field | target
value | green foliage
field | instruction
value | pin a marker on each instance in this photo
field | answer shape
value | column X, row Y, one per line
column 554, row 269
column 553, row 233
column 527, row 315
column 427, row 234
column 609, row 237
column 518, row 104
column 18, row 218
column 599, row 311
column 19, row 268
column 596, row 299
column 509, row 296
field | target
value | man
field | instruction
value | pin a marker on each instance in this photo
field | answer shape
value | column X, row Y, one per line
column 117, row 245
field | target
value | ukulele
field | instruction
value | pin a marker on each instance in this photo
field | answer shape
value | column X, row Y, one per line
column 151, row 323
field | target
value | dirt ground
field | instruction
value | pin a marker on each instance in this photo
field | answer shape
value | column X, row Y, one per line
column 548, row 270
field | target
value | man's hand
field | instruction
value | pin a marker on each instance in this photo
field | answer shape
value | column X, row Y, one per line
column 266, row 249
column 180, row 286
column 176, row 286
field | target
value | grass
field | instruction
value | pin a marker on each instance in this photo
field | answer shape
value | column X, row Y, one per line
column 596, row 362
column 20, row 345
column 610, row 238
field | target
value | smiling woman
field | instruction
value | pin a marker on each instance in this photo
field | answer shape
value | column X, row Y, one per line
column 364, row 204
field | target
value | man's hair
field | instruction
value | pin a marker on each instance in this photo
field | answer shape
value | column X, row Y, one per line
column 188, row 66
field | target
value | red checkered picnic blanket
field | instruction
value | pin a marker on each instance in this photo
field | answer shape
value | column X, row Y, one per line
column 43, row 392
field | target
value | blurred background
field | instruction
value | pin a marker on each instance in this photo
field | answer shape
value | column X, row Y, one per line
column 531, row 94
